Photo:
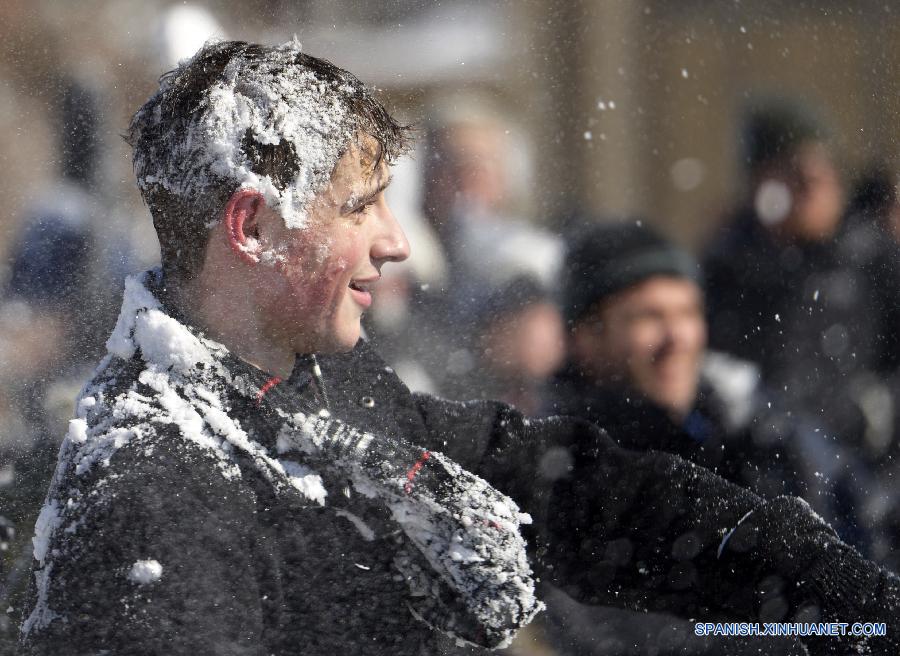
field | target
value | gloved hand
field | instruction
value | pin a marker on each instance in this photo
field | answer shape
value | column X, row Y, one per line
column 468, row 532
column 805, row 573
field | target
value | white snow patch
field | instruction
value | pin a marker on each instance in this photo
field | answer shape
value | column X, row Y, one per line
column 364, row 529
column 42, row 614
column 77, row 432
column 305, row 480
column 736, row 381
column 145, row 571
column 273, row 104
column 84, row 405
column 47, row 522
column 135, row 299
column 101, row 448
column 773, row 202
column 166, row 343
column 132, row 405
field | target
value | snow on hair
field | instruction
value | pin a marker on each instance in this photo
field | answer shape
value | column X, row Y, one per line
column 239, row 115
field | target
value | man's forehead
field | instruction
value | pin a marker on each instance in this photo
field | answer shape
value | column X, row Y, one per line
column 370, row 154
column 362, row 165
column 360, row 173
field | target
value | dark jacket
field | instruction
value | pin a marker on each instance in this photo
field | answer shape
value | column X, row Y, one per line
column 819, row 318
column 734, row 430
column 200, row 506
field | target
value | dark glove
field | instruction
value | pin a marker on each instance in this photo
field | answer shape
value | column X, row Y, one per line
column 803, row 572
column 468, row 532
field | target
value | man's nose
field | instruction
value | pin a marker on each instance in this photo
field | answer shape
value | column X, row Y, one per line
column 685, row 333
column 390, row 245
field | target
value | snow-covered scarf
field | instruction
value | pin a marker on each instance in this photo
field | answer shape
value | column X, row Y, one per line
column 467, row 532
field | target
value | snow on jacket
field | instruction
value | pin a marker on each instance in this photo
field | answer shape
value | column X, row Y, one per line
column 201, row 506
column 172, row 522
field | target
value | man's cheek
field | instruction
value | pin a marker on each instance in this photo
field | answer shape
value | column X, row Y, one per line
column 338, row 267
column 309, row 292
column 344, row 263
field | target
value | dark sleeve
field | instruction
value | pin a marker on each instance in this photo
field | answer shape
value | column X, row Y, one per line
column 638, row 529
column 728, row 311
column 648, row 530
column 885, row 279
column 536, row 461
column 154, row 556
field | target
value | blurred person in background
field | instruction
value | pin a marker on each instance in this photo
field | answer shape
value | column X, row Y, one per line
column 471, row 194
column 875, row 208
column 474, row 188
column 49, row 338
column 872, row 242
column 638, row 365
column 519, row 342
column 793, row 287
column 475, row 185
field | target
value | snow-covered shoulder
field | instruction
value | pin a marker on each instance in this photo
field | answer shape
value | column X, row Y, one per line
column 158, row 375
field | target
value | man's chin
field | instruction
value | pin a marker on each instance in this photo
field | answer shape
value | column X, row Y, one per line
column 341, row 341
column 677, row 401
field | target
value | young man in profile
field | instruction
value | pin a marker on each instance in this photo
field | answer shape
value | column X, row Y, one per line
column 219, row 493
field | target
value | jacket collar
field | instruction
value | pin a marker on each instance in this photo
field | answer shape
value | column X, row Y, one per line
column 150, row 326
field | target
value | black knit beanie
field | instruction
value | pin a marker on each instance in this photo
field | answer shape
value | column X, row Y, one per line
column 604, row 259
column 773, row 127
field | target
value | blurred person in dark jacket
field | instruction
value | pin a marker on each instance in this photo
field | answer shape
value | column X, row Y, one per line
column 474, row 186
column 871, row 240
column 639, row 366
column 874, row 201
column 791, row 288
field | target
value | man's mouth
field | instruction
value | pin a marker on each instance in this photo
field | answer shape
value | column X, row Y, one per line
column 361, row 291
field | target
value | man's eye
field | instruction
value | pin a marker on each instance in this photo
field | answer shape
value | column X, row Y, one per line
column 362, row 208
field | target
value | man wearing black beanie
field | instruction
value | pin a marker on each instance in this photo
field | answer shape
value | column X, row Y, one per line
column 638, row 366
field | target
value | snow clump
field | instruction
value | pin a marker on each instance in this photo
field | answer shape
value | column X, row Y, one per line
column 145, row 571
column 270, row 103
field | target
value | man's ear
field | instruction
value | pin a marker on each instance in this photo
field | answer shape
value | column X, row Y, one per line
column 241, row 223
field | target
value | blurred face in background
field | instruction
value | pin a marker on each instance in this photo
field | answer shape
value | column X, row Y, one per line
column 526, row 345
column 477, row 153
column 650, row 337
column 810, row 204
column 467, row 170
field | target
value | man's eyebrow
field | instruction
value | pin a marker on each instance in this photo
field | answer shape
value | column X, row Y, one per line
column 381, row 187
column 355, row 201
